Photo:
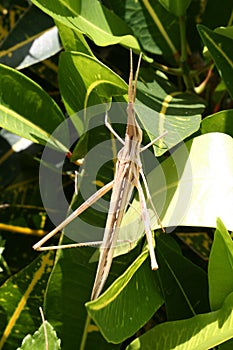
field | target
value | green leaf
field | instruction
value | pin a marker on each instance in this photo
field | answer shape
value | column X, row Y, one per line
column 200, row 332
column 225, row 31
column 220, row 267
column 177, row 7
column 192, row 187
column 219, row 47
column 180, row 279
column 199, row 176
column 85, row 81
column 91, row 18
column 218, row 122
column 159, row 33
column 73, row 40
column 21, row 295
column 128, row 303
column 37, row 341
column 161, row 107
column 27, row 110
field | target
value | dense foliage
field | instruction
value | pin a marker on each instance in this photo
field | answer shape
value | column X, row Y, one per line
column 62, row 63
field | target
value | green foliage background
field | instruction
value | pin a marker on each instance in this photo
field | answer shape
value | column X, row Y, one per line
column 58, row 57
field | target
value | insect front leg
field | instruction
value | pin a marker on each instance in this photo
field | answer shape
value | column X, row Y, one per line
column 110, row 128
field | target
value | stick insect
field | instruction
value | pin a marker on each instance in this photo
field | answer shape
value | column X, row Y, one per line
column 127, row 176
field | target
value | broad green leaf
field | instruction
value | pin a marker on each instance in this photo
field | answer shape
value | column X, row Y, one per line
column 177, row 7
column 192, row 187
column 128, row 303
column 91, row 18
column 84, row 81
column 21, row 296
column 27, row 110
column 179, row 279
column 161, row 107
column 219, row 47
column 73, row 40
column 205, row 177
column 225, row 31
column 200, row 332
column 220, row 267
column 159, row 33
column 37, row 340
column 218, row 122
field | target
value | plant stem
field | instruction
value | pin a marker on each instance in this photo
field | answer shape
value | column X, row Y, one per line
column 85, row 333
column 184, row 58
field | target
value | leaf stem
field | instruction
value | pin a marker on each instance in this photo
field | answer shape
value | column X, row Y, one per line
column 85, row 333
column 184, row 57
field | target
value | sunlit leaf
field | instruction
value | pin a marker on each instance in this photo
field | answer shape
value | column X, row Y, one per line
column 200, row 332
column 129, row 303
column 219, row 47
column 28, row 111
column 44, row 338
column 92, row 18
column 220, row 267
column 218, row 122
